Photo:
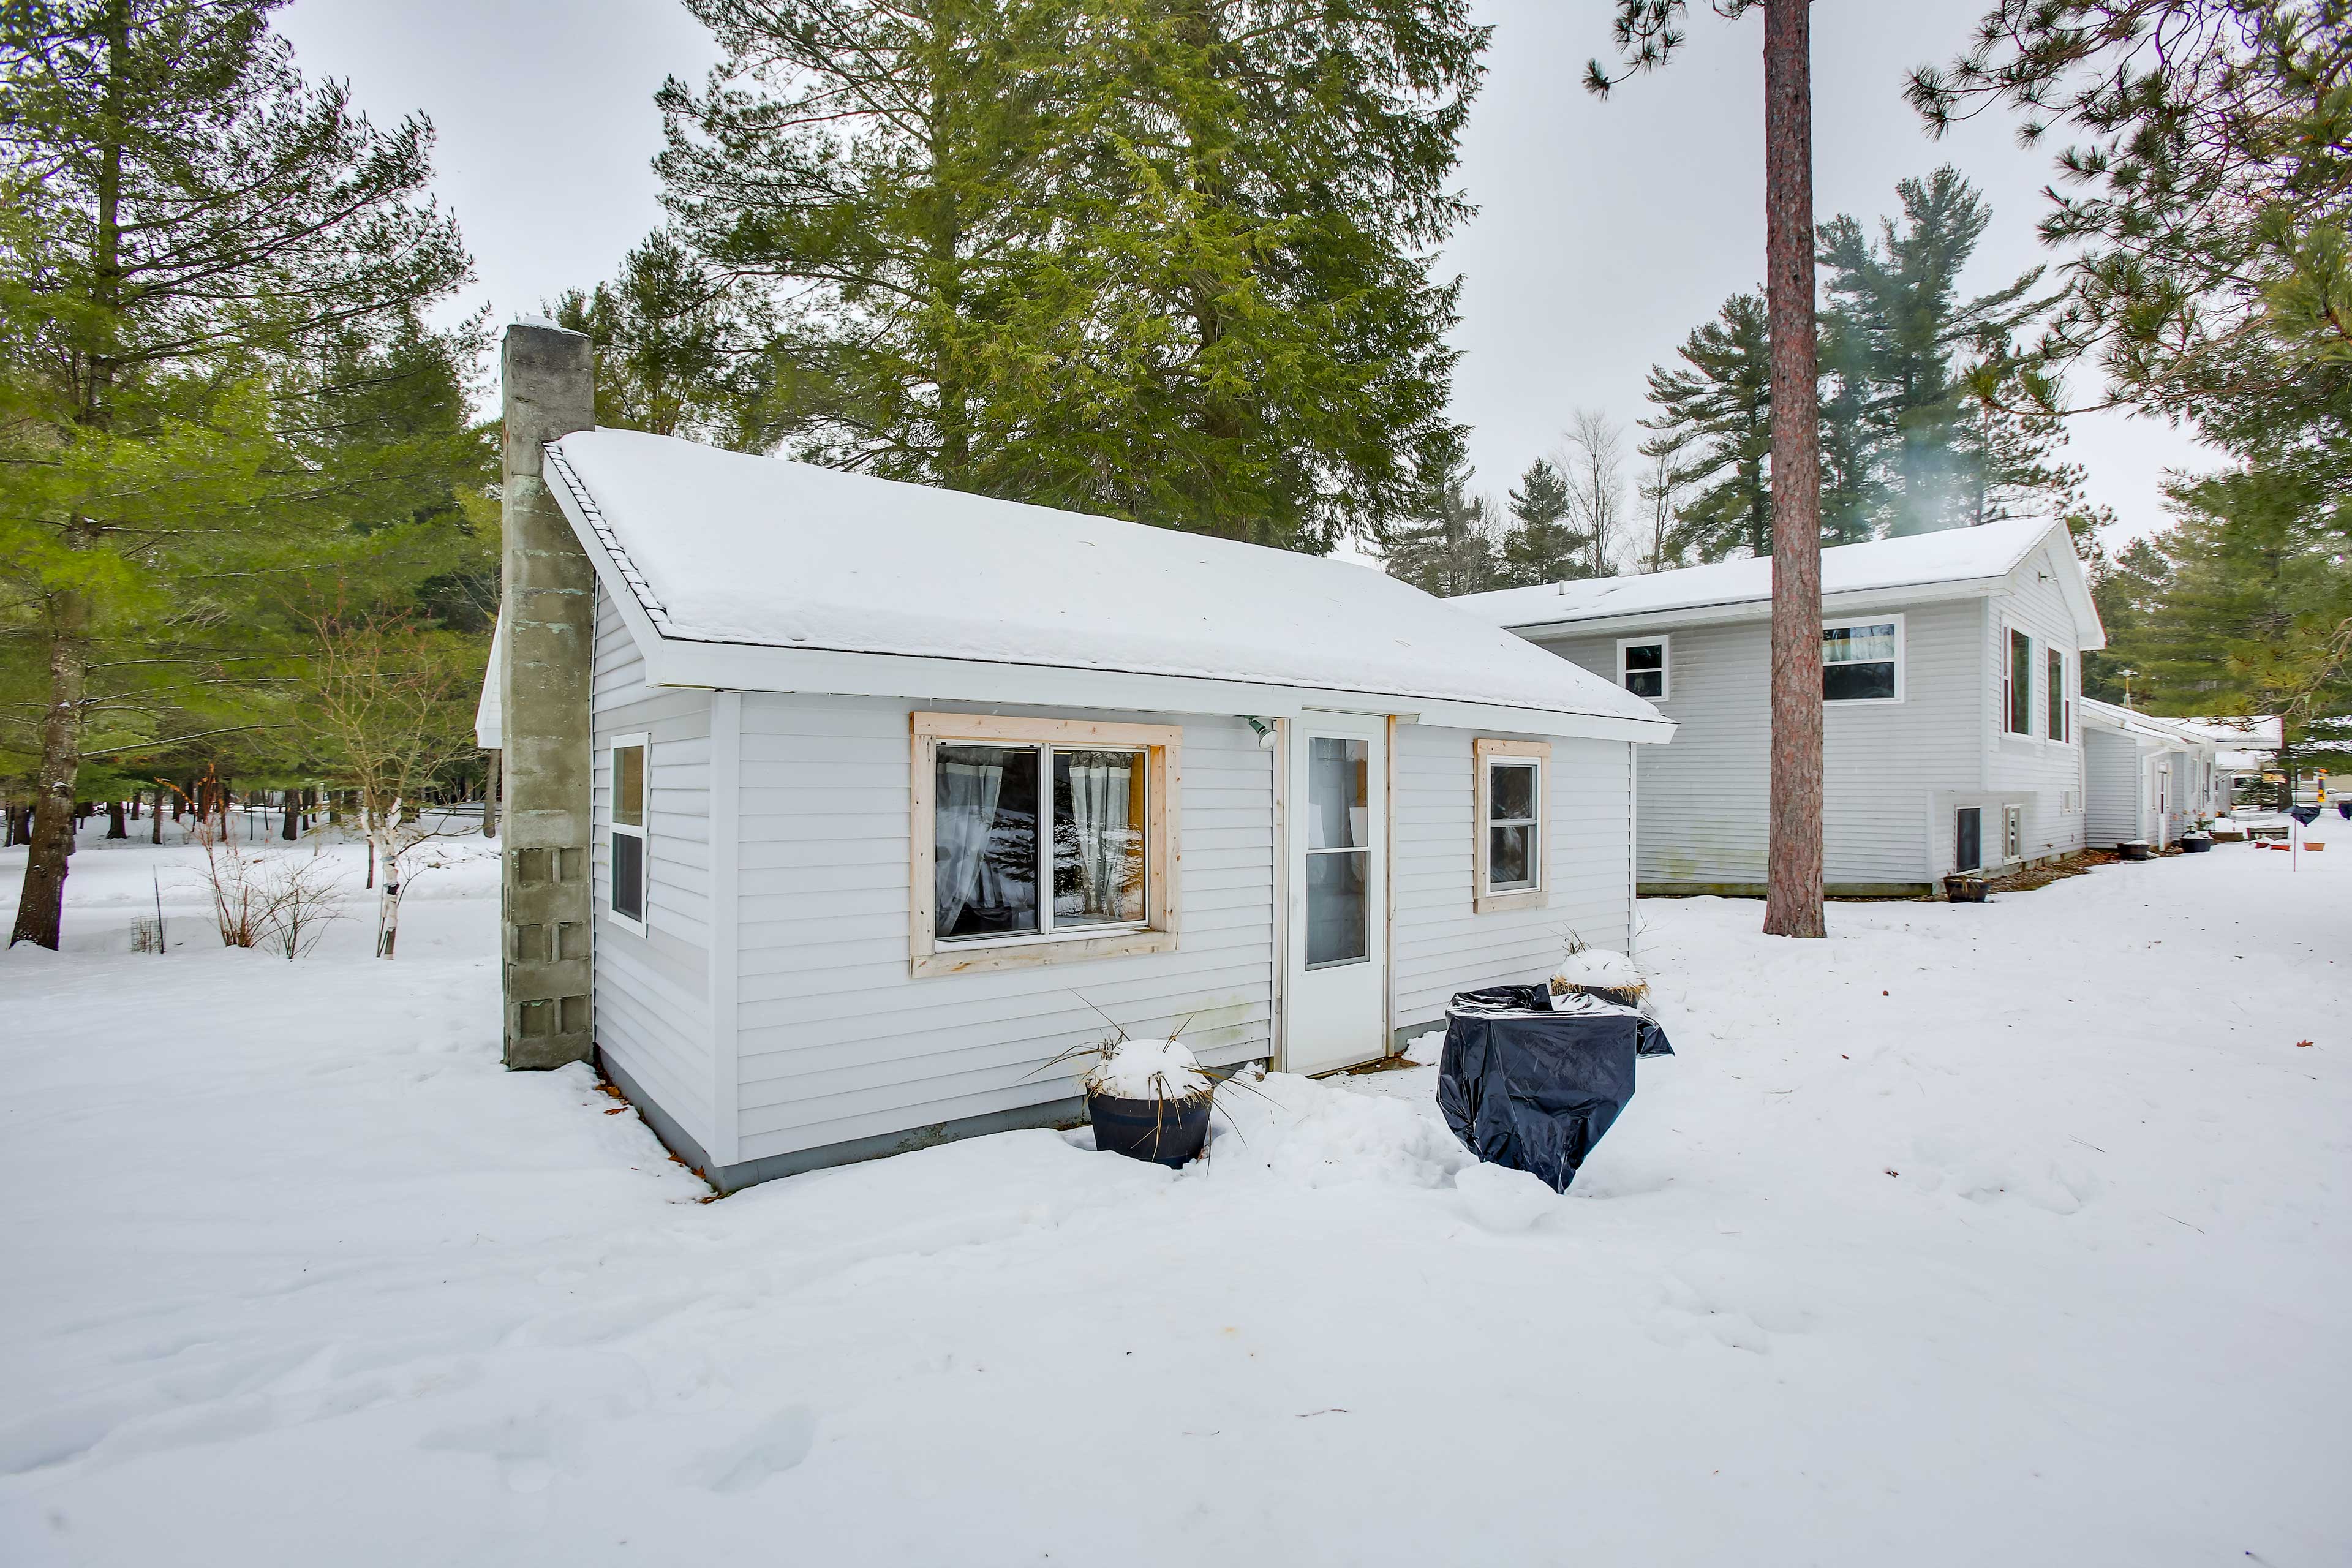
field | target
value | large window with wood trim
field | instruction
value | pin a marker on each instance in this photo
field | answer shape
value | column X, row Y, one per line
column 627, row 835
column 1509, row 855
column 1040, row 840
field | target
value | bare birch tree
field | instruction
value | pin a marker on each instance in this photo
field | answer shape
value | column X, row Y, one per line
column 1593, row 456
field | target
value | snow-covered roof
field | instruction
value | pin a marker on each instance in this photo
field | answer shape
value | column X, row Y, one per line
column 752, row 573
column 2147, row 727
column 1955, row 558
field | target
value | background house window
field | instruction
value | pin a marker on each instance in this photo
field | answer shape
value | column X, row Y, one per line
column 2061, row 719
column 2017, row 687
column 1002, row 867
column 1641, row 667
column 1862, row 661
column 1508, row 859
column 628, row 831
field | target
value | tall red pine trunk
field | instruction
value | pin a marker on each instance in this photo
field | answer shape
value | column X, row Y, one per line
column 1792, row 886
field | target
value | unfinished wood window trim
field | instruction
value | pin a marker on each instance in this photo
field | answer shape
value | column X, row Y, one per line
column 1481, row 751
column 1163, row 879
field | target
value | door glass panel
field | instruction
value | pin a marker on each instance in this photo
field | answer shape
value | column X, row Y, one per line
column 1339, row 853
column 1099, row 837
column 1335, row 908
column 1967, row 839
column 984, row 838
column 1339, row 774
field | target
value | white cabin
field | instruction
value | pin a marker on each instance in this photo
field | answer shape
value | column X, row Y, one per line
column 900, row 793
column 1952, row 671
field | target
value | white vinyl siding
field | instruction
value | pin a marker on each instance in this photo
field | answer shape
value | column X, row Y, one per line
column 839, row 1040
column 652, row 991
column 1440, row 946
column 1704, row 799
column 2032, row 769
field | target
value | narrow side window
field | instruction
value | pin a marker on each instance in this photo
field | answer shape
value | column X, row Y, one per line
column 628, row 831
column 1509, row 853
column 2057, row 699
column 2018, row 684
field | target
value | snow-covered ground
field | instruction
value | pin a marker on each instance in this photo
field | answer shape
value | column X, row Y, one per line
column 2015, row 1234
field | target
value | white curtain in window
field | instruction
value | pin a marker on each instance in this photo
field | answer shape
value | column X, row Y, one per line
column 962, row 817
column 1099, row 785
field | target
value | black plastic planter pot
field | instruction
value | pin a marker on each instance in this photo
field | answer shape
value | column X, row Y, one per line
column 2195, row 843
column 1964, row 890
column 2135, row 850
column 1168, row 1132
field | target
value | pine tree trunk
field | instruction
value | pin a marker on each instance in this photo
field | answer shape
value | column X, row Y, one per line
column 155, row 818
column 115, row 827
column 293, row 828
column 493, row 785
column 1792, row 886
column 40, row 907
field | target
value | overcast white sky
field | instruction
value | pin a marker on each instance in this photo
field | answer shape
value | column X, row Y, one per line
column 1606, row 231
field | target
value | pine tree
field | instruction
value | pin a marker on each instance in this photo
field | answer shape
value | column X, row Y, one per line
column 679, row 350
column 1714, row 412
column 1165, row 259
column 187, row 218
column 1446, row 546
column 1647, row 35
column 1896, row 349
column 1541, row 547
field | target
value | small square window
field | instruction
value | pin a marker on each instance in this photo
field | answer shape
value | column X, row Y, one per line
column 1643, row 667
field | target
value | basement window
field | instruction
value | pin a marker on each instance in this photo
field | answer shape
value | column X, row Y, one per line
column 1510, row 849
column 1039, row 839
column 627, row 837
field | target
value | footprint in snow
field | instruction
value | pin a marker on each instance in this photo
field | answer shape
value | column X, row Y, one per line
column 776, row 1445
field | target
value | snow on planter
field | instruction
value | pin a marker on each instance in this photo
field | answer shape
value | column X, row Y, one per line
column 1149, row 1069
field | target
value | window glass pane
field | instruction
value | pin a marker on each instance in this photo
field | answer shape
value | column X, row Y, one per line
column 629, row 786
column 1858, row 645
column 2021, row 684
column 1511, row 791
column 1099, row 837
column 2057, row 696
column 1510, row 857
column 1645, row 656
column 1335, row 908
column 1857, row 682
column 1646, row 682
column 1339, row 778
column 984, row 841
column 1967, row 839
column 629, row 876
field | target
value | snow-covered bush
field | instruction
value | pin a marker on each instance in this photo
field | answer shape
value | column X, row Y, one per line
column 1596, row 969
column 1147, row 1070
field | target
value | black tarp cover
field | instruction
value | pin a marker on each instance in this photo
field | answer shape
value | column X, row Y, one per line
column 1533, row 1089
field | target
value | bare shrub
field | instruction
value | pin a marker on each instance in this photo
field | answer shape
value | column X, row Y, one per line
column 283, row 903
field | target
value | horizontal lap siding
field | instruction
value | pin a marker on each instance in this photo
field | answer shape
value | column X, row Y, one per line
column 1439, row 945
column 2046, row 777
column 2111, row 787
column 1704, row 799
column 653, row 991
column 839, row 1041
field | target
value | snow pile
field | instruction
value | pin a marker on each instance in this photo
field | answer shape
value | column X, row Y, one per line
column 1503, row 1200
column 1596, row 969
column 2008, row 1234
column 1147, row 1070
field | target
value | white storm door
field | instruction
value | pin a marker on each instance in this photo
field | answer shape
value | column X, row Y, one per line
column 1336, row 998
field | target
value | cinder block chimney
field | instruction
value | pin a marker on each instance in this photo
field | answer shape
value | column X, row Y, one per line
column 549, row 591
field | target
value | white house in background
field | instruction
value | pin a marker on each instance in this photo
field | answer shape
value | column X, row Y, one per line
column 2244, row 748
column 1952, row 666
column 2146, row 778
column 898, row 792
